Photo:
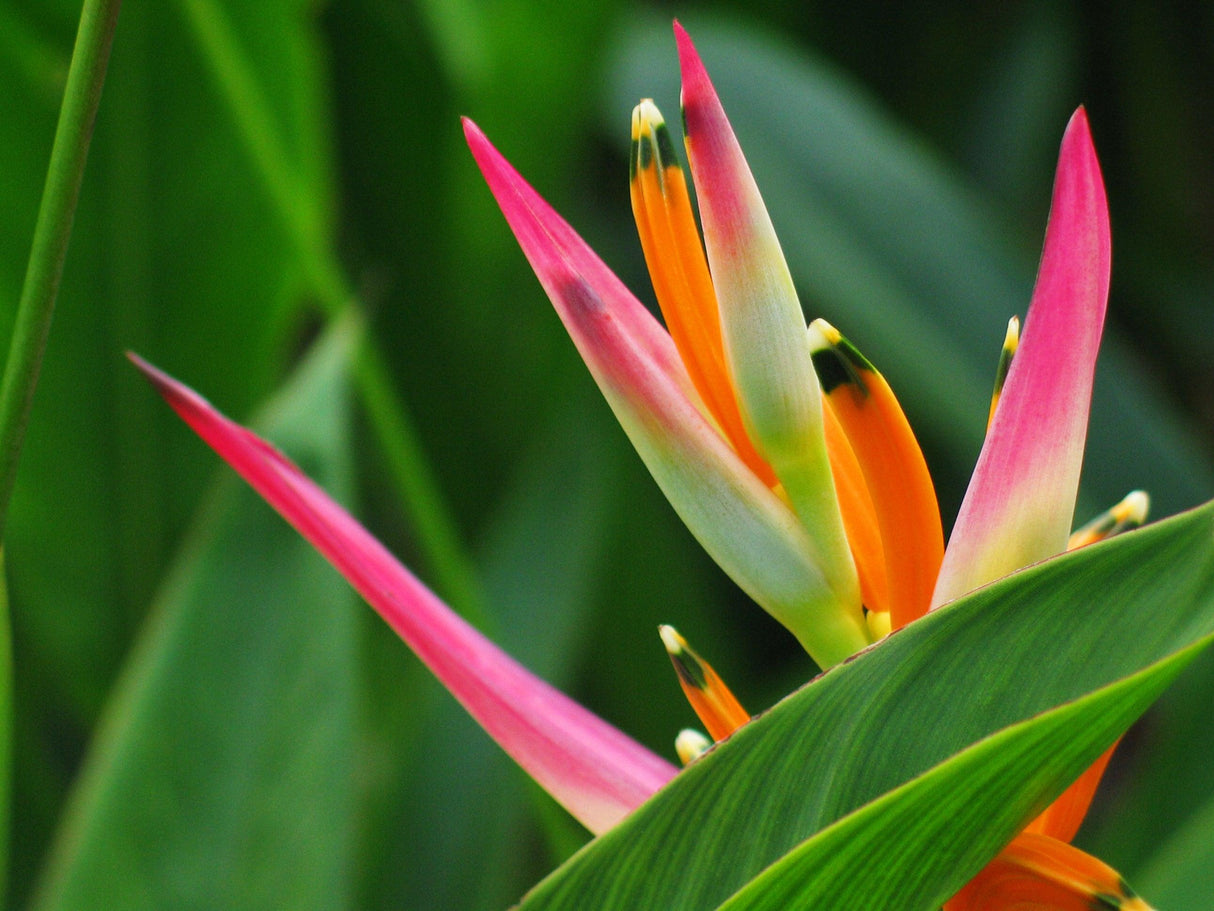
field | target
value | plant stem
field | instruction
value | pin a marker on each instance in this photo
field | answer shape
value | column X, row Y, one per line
column 81, row 95
column 51, row 232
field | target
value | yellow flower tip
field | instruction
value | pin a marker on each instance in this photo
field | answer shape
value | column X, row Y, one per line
column 828, row 334
column 646, row 118
column 1011, row 341
column 879, row 624
column 837, row 361
column 675, row 644
column 1130, row 513
column 692, row 670
column 691, row 745
column 651, row 143
column 714, row 704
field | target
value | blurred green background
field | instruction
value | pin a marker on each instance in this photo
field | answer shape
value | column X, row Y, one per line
column 205, row 716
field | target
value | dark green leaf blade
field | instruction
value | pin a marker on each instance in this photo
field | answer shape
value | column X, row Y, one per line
column 937, row 831
column 222, row 765
column 1013, row 650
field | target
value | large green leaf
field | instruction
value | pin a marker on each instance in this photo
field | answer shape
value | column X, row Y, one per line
column 938, row 830
column 1012, row 651
column 222, row 767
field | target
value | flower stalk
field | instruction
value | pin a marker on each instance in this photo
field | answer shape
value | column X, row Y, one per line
column 52, row 231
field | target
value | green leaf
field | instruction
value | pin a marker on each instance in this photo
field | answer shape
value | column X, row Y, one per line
column 176, row 253
column 147, row 269
column 222, row 764
column 939, row 829
column 1015, row 650
column 1178, row 876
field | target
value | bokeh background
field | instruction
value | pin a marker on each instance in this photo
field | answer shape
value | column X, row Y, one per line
column 205, row 716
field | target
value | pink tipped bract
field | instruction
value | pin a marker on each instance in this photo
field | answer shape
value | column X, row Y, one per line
column 1020, row 503
column 595, row 771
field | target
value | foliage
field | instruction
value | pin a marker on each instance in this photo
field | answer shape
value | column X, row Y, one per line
column 258, row 166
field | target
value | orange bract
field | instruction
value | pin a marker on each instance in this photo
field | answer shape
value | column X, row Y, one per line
column 1038, row 873
column 894, row 471
column 859, row 515
column 715, row 705
column 678, row 269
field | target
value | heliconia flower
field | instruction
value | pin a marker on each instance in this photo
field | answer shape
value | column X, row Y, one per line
column 785, row 452
column 812, row 419
column 799, row 571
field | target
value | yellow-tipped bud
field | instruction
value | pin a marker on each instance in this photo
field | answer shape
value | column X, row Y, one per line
column 691, row 745
column 714, row 704
column 1011, row 341
column 1126, row 515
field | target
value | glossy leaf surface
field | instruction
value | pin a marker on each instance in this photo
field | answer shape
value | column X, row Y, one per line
column 1081, row 622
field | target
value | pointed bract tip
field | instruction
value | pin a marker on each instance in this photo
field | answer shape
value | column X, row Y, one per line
column 690, row 64
column 1079, row 120
column 1077, row 142
column 175, row 393
column 472, row 133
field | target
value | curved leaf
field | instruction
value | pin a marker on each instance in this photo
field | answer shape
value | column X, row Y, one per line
column 1011, row 651
column 937, row 831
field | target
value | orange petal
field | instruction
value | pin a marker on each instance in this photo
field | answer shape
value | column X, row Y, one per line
column 714, row 704
column 893, row 466
column 859, row 515
column 679, row 272
column 1038, row 873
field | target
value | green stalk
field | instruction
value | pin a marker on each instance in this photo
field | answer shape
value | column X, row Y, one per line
column 51, row 233
column 81, row 95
